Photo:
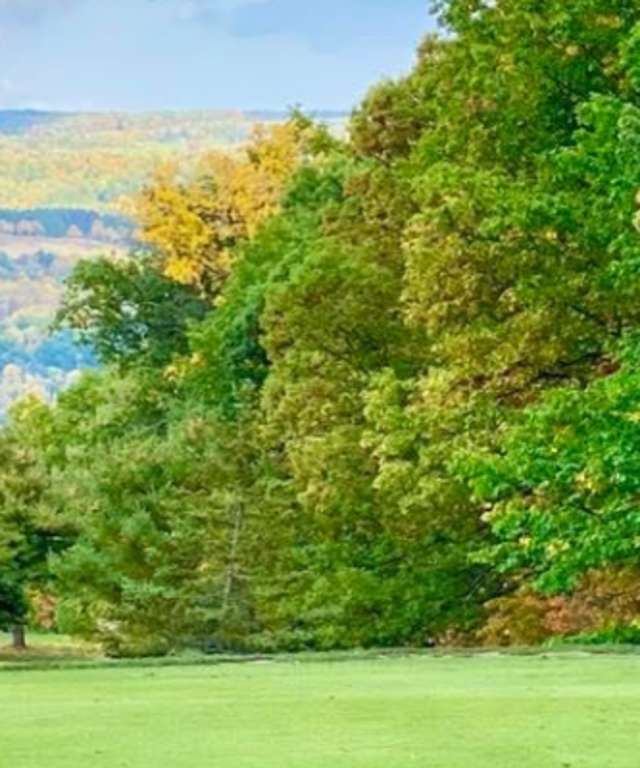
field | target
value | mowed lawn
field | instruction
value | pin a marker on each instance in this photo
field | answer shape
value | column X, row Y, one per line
column 479, row 712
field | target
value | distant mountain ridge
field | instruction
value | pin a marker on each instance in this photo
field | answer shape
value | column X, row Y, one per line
column 20, row 121
column 17, row 121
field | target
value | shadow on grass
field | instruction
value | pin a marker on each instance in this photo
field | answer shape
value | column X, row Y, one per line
column 51, row 652
column 47, row 649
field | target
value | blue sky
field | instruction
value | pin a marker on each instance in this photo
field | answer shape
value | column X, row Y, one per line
column 198, row 54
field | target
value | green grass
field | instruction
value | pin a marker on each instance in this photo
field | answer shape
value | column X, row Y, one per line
column 480, row 712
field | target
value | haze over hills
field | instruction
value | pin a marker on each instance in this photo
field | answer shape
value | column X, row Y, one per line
column 64, row 178
column 90, row 160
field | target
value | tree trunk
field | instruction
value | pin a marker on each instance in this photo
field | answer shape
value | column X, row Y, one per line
column 238, row 520
column 19, row 638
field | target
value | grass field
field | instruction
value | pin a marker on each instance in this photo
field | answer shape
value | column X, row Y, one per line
column 567, row 711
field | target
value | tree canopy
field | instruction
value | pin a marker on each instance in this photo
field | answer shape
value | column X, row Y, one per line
column 378, row 390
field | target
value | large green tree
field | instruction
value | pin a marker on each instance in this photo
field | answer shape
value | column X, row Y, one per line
column 31, row 525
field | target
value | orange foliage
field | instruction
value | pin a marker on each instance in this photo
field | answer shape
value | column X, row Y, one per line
column 604, row 599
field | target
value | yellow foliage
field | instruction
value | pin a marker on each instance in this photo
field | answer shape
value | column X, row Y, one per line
column 195, row 222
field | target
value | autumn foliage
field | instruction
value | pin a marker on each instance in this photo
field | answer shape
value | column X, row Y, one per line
column 197, row 223
column 377, row 390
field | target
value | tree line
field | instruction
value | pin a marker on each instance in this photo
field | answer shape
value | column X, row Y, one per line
column 373, row 391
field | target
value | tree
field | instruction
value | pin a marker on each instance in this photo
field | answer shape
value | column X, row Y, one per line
column 561, row 495
column 195, row 223
column 128, row 310
column 168, row 552
column 29, row 531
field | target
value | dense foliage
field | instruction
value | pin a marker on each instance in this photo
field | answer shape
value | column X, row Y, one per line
column 398, row 400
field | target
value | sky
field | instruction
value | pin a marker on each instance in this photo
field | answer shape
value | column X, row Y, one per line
column 202, row 54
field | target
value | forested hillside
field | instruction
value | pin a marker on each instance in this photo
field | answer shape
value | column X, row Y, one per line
column 38, row 251
column 376, row 391
column 93, row 160
column 32, row 272
column 66, row 182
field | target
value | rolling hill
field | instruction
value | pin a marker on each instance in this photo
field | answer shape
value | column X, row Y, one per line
column 63, row 179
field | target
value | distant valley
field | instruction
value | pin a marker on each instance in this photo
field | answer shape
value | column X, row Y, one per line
column 65, row 178
column 32, row 272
